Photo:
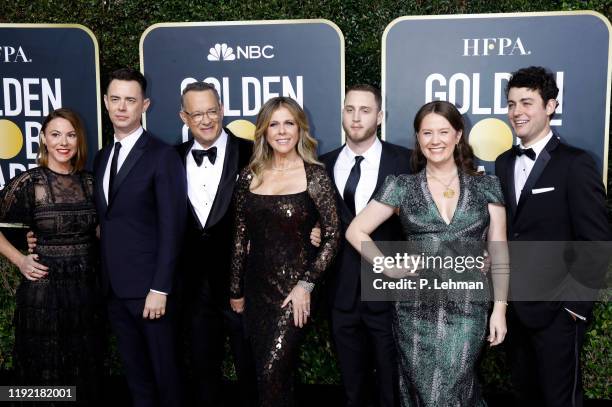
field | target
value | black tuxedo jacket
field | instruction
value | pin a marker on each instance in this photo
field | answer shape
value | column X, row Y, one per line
column 345, row 288
column 142, row 225
column 573, row 211
column 206, row 257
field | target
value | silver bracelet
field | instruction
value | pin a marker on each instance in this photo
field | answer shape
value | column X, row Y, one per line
column 306, row 285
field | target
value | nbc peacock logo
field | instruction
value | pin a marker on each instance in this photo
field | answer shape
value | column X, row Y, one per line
column 221, row 52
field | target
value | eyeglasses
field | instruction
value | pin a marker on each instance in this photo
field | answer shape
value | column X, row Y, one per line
column 197, row 117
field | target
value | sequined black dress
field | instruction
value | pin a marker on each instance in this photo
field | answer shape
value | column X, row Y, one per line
column 278, row 227
column 439, row 335
column 58, row 319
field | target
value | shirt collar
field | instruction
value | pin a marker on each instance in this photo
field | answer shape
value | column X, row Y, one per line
column 370, row 155
column 220, row 142
column 539, row 146
column 130, row 139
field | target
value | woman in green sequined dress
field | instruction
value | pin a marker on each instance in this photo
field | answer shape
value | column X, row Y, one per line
column 439, row 333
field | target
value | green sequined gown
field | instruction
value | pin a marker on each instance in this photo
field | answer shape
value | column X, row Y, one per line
column 439, row 336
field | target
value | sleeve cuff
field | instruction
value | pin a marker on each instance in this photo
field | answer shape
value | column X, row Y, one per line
column 158, row 292
column 576, row 315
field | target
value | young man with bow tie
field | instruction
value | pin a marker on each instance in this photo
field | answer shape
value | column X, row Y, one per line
column 553, row 192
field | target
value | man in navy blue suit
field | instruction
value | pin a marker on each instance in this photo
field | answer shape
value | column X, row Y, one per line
column 140, row 196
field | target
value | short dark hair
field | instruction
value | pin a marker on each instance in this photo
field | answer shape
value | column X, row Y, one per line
column 462, row 154
column 364, row 87
column 128, row 74
column 535, row 78
column 199, row 87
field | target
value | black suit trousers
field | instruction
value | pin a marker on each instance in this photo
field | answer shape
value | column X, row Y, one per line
column 356, row 333
column 209, row 323
column 545, row 362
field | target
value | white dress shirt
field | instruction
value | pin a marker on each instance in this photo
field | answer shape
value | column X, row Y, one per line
column 523, row 165
column 369, row 172
column 203, row 181
column 126, row 146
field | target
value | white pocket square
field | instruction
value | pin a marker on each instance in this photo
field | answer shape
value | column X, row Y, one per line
column 542, row 190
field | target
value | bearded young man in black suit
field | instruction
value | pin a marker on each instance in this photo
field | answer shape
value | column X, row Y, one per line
column 362, row 330
column 212, row 160
column 553, row 192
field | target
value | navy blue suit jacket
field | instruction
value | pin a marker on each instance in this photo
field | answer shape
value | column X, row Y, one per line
column 142, row 225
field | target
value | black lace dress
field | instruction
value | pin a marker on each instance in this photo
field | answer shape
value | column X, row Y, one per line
column 277, row 228
column 59, row 324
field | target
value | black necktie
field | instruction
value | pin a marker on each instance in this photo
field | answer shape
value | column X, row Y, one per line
column 351, row 184
column 113, row 169
column 198, row 155
column 518, row 151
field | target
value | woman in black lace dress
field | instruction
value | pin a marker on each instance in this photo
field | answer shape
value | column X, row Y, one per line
column 278, row 199
column 58, row 322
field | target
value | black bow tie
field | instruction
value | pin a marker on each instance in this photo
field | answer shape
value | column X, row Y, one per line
column 198, row 155
column 518, row 151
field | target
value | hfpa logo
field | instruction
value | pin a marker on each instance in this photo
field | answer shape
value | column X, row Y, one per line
column 493, row 46
column 223, row 52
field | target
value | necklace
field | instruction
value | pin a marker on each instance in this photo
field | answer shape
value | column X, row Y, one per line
column 448, row 192
column 287, row 168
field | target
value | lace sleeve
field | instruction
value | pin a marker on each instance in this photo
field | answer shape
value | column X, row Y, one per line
column 16, row 200
column 321, row 191
column 241, row 235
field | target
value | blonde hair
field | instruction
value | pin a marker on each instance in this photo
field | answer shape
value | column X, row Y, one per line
column 80, row 158
column 262, row 152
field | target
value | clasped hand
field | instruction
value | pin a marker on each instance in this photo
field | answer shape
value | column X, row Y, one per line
column 299, row 299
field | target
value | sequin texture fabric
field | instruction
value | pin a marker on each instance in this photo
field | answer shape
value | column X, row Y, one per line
column 272, row 252
column 439, row 337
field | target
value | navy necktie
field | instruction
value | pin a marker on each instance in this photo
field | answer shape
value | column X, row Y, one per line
column 113, row 168
column 198, row 155
column 351, row 184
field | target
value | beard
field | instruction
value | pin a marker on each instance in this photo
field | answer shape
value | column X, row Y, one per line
column 362, row 135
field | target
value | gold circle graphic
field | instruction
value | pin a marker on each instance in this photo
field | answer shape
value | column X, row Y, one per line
column 489, row 138
column 243, row 129
column 11, row 140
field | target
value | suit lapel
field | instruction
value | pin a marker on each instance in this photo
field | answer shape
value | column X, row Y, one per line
column 536, row 172
column 184, row 150
column 345, row 214
column 99, row 176
column 510, row 182
column 225, row 189
column 385, row 167
column 132, row 158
